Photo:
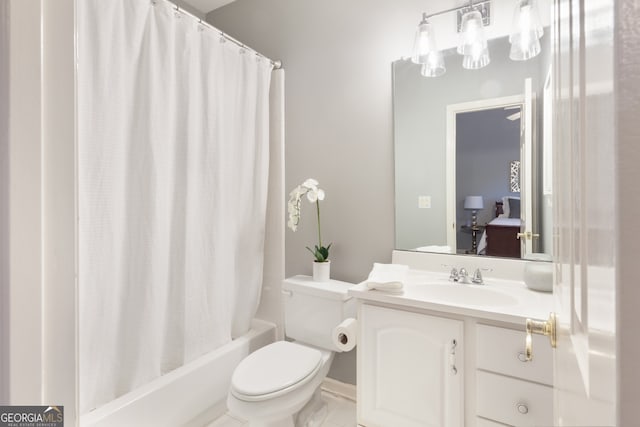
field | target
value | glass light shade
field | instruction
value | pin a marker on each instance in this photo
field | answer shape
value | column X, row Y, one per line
column 524, row 48
column 526, row 32
column 473, row 203
column 526, row 18
column 471, row 39
column 434, row 66
column 476, row 59
column 424, row 43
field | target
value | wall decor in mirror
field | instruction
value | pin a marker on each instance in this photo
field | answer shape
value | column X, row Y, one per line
column 476, row 133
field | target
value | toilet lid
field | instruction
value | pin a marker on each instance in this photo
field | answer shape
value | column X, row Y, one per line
column 274, row 368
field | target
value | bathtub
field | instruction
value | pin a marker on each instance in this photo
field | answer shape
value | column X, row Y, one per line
column 190, row 396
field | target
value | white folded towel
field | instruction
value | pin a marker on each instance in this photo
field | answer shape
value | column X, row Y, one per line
column 388, row 277
column 435, row 248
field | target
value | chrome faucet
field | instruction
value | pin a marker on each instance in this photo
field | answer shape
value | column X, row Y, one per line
column 463, row 276
column 477, row 277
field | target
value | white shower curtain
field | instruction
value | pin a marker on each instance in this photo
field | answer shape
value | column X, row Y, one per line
column 173, row 170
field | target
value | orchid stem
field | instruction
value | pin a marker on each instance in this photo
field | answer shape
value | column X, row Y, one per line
column 318, row 211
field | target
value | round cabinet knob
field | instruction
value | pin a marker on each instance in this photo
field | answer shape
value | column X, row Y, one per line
column 522, row 357
column 522, row 408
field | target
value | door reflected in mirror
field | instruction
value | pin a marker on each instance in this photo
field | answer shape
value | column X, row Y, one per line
column 474, row 133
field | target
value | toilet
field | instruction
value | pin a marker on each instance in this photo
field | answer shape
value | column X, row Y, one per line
column 279, row 384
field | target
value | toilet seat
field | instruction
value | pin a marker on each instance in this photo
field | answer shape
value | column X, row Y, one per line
column 275, row 370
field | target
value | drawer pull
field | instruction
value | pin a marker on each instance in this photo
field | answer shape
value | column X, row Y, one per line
column 522, row 357
column 522, row 408
column 452, row 357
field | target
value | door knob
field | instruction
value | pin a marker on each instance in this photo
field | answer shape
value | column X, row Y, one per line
column 540, row 327
column 527, row 235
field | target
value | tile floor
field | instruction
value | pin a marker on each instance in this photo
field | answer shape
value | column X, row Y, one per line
column 342, row 413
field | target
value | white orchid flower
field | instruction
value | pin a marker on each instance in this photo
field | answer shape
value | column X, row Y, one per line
column 310, row 183
column 297, row 192
column 315, row 195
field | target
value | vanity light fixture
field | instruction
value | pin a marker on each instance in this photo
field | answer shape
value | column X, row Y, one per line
column 527, row 31
column 425, row 50
column 472, row 41
column 473, row 44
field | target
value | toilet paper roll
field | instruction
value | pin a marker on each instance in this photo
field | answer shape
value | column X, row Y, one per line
column 344, row 335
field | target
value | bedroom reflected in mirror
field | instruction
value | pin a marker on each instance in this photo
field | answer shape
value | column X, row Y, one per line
column 484, row 138
column 478, row 144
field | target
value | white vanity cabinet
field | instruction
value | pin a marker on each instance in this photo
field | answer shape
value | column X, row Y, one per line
column 421, row 368
column 410, row 369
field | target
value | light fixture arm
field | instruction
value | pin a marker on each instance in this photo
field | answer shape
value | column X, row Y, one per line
column 431, row 15
column 442, row 12
column 468, row 7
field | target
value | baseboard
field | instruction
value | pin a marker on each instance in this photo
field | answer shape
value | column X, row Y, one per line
column 348, row 391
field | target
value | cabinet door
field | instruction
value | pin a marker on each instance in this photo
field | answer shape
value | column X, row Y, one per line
column 409, row 369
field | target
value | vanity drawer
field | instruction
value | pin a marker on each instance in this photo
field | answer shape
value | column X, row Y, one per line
column 502, row 350
column 512, row 401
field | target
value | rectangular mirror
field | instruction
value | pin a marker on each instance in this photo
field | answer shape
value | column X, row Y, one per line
column 474, row 142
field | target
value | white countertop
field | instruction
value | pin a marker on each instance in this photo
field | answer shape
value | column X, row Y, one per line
column 498, row 299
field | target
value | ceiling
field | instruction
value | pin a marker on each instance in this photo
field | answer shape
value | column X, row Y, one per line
column 206, row 6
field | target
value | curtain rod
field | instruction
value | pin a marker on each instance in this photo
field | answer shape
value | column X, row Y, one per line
column 276, row 64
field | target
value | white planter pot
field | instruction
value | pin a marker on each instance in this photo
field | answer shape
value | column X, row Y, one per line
column 321, row 271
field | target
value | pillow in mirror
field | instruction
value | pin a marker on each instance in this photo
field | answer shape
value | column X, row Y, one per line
column 506, row 207
column 514, row 207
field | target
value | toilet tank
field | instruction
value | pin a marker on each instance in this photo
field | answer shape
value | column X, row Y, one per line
column 313, row 309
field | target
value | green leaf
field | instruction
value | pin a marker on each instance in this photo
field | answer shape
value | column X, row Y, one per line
column 324, row 252
column 321, row 254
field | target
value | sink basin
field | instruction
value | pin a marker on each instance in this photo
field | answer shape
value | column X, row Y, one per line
column 477, row 295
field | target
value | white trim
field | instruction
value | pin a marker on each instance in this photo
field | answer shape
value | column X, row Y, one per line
column 59, row 211
column 450, row 162
column 526, row 168
column 338, row 388
column 25, row 204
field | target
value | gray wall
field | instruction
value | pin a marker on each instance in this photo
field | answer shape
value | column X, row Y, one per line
column 420, row 106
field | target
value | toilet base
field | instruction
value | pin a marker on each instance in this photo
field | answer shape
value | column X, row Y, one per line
column 311, row 415
column 314, row 412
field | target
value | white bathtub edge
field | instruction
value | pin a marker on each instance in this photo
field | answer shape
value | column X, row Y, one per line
column 185, row 395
